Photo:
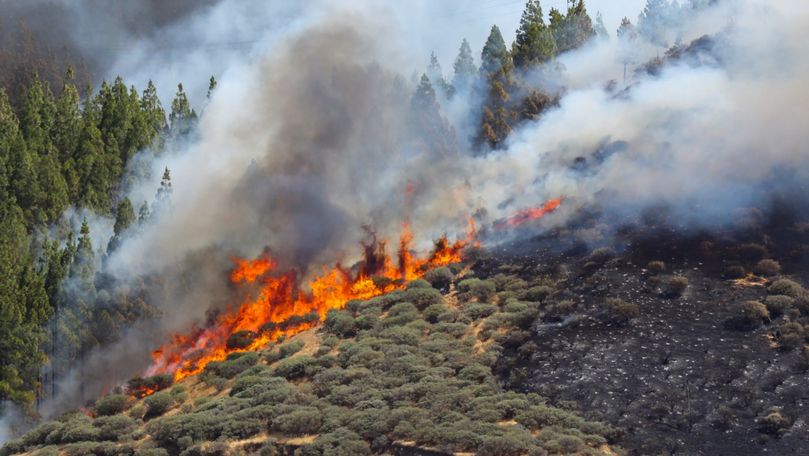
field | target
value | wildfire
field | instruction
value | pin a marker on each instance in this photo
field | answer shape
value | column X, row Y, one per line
column 283, row 307
column 526, row 215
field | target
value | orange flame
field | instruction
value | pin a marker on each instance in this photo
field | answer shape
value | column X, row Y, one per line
column 526, row 215
column 281, row 305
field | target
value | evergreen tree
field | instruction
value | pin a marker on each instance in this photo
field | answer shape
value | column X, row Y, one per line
column 24, row 310
column 19, row 164
column 182, row 117
column 573, row 29
column 211, row 87
column 655, row 20
column 431, row 129
column 153, row 111
column 37, row 119
column 626, row 30
column 535, row 43
column 143, row 213
column 464, row 67
column 423, row 100
column 495, row 56
column 124, row 216
column 600, row 28
column 436, row 75
column 163, row 197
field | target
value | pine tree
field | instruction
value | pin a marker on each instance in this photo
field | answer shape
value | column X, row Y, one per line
column 143, row 213
column 626, row 30
column 436, row 75
column 211, row 87
column 20, row 165
column 464, row 67
column 600, row 28
column 654, row 21
column 124, row 218
column 495, row 56
column 534, row 43
column 182, row 117
column 433, row 131
column 153, row 111
column 163, row 198
column 573, row 29
column 24, row 309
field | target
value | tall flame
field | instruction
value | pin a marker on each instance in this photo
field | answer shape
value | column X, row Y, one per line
column 526, row 215
column 282, row 305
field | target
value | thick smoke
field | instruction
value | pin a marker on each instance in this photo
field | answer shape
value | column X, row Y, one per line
column 312, row 137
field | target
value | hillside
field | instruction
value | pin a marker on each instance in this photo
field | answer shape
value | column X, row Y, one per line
column 407, row 373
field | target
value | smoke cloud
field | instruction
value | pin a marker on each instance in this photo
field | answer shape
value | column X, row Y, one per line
column 309, row 136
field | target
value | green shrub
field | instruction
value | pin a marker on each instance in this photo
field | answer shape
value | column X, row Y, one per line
column 118, row 427
column 154, row 383
column 97, row 449
column 340, row 322
column 778, row 304
column 418, row 283
column 748, row 315
column 514, row 443
column 536, row 294
column 601, row 255
column 432, row 313
column 483, row 290
column 157, row 404
column 422, row 298
column 291, row 348
column 478, row 310
column 786, row 287
column 240, row 340
column 235, row 364
column 791, row 335
column 112, row 404
column 297, row 367
column 620, row 312
column 439, row 278
column 151, row 452
column 767, row 267
column 302, row 420
column 339, row 442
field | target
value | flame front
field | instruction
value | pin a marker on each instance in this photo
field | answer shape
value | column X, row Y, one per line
column 271, row 313
column 526, row 215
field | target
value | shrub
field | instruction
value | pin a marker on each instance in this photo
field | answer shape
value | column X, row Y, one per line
column 118, row 427
column 290, row 348
column 240, row 340
column 774, row 423
column 656, row 267
column 418, row 283
column 767, row 267
column 340, row 322
column 483, row 290
column 601, row 255
column 157, row 404
column 734, row 271
column 748, row 315
column 620, row 312
column 112, row 404
column 297, row 367
column 339, row 442
column 300, row 421
column 235, row 364
column 439, row 278
column 422, row 298
column 476, row 310
column 791, row 335
column 786, row 287
column 151, row 452
column 154, row 383
column 97, row 449
column 432, row 313
column 537, row 293
column 778, row 304
column 558, row 311
column 508, row 444
column 676, row 285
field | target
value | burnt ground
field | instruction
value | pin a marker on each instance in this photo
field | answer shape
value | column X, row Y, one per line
column 675, row 379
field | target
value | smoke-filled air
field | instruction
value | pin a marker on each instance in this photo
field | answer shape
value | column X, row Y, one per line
column 415, row 228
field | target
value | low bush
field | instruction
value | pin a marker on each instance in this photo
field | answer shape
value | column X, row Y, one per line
column 422, row 298
column 734, row 271
column 675, row 286
column 157, row 404
column 439, row 278
column 791, row 335
column 340, row 322
column 767, row 267
column 118, row 427
column 112, row 404
column 773, row 423
column 748, row 315
column 536, row 294
column 656, row 267
column 235, row 364
column 477, row 310
column 786, row 287
column 297, row 367
column 482, row 290
column 778, row 305
column 601, row 255
column 620, row 312
column 300, row 421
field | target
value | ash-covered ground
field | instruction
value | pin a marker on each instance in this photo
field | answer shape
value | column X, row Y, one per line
column 688, row 372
